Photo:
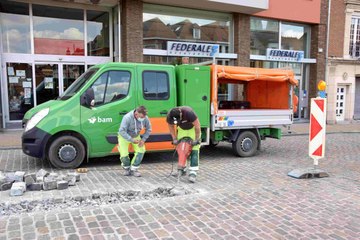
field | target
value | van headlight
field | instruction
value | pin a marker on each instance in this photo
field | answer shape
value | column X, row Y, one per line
column 36, row 119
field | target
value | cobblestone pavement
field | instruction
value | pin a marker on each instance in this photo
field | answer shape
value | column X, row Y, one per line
column 237, row 198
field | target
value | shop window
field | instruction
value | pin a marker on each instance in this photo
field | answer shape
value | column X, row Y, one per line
column 162, row 24
column 354, row 47
column 15, row 27
column 98, row 33
column 19, row 81
column 155, row 85
column 264, row 34
column 294, row 37
column 58, row 30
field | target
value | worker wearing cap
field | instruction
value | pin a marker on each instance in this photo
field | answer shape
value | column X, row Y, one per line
column 129, row 133
column 183, row 122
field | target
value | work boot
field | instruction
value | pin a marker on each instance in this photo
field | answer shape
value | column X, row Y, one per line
column 192, row 178
column 127, row 172
column 136, row 173
column 183, row 173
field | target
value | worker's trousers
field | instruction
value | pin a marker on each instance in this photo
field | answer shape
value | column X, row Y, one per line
column 194, row 156
column 139, row 152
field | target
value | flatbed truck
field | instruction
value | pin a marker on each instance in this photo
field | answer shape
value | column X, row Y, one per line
column 239, row 105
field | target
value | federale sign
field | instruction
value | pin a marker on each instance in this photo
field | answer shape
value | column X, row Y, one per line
column 192, row 49
column 284, row 55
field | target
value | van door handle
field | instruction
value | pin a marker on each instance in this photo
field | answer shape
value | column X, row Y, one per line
column 122, row 113
column 163, row 112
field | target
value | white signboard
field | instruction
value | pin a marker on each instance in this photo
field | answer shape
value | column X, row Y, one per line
column 284, row 55
column 190, row 49
column 49, row 83
column 26, row 84
column 11, row 71
column 20, row 73
column 13, row 79
column 27, row 92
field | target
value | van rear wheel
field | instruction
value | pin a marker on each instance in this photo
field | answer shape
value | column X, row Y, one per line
column 66, row 152
column 246, row 144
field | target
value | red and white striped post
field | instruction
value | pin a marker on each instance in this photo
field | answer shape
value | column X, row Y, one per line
column 317, row 133
column 317, row 129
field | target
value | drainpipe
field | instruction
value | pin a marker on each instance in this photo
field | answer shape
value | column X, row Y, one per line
column 327, row 50
column 327, row 42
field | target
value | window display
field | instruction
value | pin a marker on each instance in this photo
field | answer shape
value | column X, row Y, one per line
column 19, row 79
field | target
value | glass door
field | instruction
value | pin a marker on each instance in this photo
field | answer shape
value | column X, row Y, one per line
column 70, row 72
column 298, row 90
column 52, row 79
column 46, row 82
column 340, row 103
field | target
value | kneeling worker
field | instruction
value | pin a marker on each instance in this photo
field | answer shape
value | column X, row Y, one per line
column 129, row 133
column 187, row 125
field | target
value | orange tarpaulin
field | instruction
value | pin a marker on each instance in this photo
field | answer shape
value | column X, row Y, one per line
column 266, row 88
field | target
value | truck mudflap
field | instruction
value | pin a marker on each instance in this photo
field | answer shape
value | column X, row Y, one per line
column 34, row 142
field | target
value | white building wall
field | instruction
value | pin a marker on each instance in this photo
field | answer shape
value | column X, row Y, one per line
column 342, row 74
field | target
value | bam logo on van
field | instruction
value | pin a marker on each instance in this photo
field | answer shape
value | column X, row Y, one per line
column 93, row 120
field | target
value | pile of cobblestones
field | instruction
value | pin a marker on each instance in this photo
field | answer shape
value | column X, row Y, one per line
column 96, row 199
column 18, row 182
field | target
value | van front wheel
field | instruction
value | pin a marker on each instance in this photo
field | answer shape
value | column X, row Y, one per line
column 66, row 152
column 246, row 144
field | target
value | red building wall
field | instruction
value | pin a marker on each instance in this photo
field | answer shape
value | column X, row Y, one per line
column 307, row 11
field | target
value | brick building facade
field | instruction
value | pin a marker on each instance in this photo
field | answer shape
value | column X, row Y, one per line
column 343, row 71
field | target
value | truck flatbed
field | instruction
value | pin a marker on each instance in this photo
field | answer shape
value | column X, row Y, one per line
column 250, row 118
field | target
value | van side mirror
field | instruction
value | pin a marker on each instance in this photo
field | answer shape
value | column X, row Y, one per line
column 88, row 98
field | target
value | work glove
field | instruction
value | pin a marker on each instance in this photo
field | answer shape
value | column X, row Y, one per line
column 175, row 142
column 195, row 142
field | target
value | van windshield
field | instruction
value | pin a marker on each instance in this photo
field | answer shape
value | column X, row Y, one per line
column 78, row 84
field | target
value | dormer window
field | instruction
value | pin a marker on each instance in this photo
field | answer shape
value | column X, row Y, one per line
column 196, row 33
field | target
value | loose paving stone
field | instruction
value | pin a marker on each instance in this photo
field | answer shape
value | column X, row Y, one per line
column 76, row 175
column 19, row 176
column 17, row 189
column 49, row 184
column 28, row 178
column 41, row 173
column 53, row 176
column 61, row 185
column 71, row 179
column 37, row 186
column 6, row 186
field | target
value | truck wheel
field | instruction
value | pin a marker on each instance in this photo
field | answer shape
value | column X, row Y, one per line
column 66, row 152
column 246, row 144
